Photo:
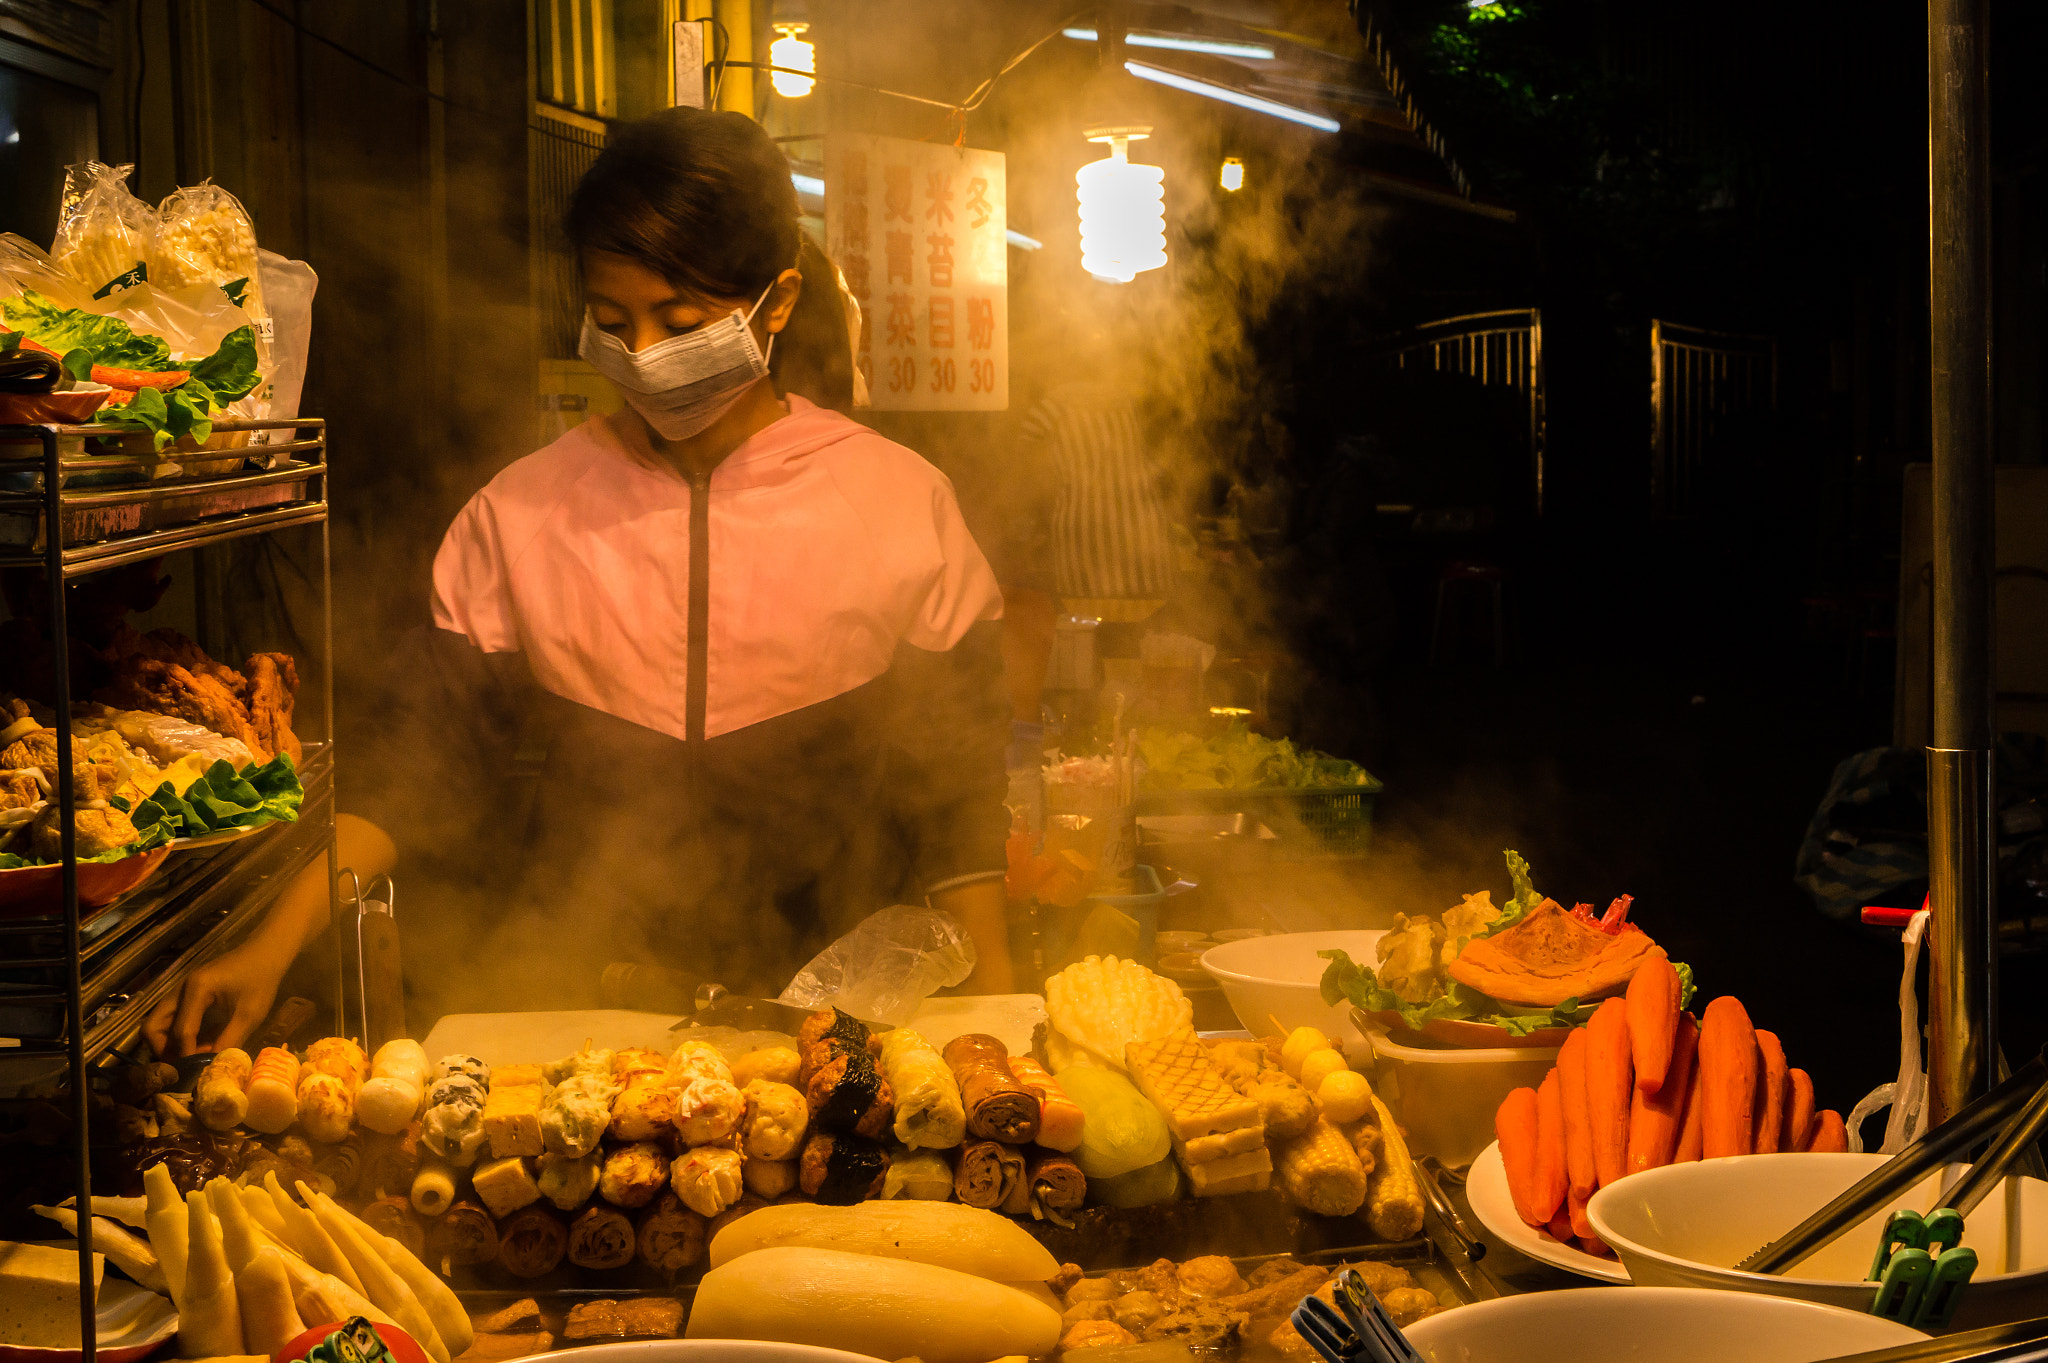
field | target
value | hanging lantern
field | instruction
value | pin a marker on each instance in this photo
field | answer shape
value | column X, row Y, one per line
column 792, row 49
column 1123, row 209
column 1232, row 175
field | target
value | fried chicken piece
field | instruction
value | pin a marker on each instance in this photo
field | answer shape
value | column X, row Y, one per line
column 38, row 752
column 270, row 694
column 97, row 831
column 169, row 646
column 171, row 689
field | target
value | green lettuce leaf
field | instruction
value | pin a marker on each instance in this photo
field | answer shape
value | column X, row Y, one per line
column 1346, row 980
column 1525, row 898
column 230, row 371
column 1238, row 759
column 223, row 798
column 111, row 341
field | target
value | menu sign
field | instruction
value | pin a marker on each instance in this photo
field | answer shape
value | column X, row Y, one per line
column 919, row 229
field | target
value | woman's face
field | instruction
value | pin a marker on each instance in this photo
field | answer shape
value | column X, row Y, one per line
column 637, row 305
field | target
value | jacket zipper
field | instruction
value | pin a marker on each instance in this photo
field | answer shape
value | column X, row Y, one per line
column 700, row 608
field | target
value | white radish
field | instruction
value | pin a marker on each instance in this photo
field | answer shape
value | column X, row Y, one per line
column 270, row 1319
column 264, row 1213
column 132, row 1212
column 436, row 1297
column 168, row 1227
column 209, row 1317
column 130, row 1253
column 380, row 1284
column 305, row 1235
column 237, row 1232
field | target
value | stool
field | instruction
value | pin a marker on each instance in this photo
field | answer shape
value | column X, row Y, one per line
column 1459, row 573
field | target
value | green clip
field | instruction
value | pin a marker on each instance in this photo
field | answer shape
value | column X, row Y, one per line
column 1944, row 1290
column 1905, row 1230
column 1944, row 1231
column 1904, row 1284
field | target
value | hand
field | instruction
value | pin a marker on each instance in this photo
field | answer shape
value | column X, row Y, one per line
column 242, row 982
column 991, row 976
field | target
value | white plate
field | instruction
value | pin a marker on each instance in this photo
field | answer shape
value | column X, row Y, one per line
column 1487, row 1187
column 134, row 1323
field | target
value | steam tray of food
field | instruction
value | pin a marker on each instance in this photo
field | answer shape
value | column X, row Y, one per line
column 177, row 748
column 1296, row 790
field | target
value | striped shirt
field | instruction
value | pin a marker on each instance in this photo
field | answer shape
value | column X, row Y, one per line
column 1109, row 523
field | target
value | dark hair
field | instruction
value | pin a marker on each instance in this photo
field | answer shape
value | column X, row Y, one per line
column 704, row 199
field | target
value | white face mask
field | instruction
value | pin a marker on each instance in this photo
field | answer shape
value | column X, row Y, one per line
column 685, row 383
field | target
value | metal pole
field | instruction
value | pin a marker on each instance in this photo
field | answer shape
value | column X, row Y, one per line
column 1963, row 992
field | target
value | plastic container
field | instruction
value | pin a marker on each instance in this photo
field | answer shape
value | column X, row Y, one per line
column 1280, row 978
column 1446, row 1098
column 1683, row 1226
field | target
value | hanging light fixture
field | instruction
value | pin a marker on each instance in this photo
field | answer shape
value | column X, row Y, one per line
column 1231, row 177
column 1123, row 209
column 792, row 49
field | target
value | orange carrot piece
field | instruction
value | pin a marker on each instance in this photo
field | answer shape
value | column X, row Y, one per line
column 1652, row 1021
column 1798, row 1128
column 1830, row 1136
column 1610, row 1078
column 1560, row 1226
column 1689, row 1129
column 1552, row 1175
column 1654, row 1122
column 1575, row 1208
column 1594, row 1245
column 1515, row 1124
column 1728, row 1068
column 1770, row 1099
column 1578, row 1126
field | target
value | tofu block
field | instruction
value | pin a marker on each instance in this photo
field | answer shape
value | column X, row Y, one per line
column 1248, row 1172
column 39, row 1295
column 1204, row 1149
column 516, row 1076
column 505, row 1185
column 1175, row 1073
column 512, row 1120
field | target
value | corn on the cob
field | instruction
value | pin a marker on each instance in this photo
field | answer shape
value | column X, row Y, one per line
column 1393, row 1199
column 1321, row 1173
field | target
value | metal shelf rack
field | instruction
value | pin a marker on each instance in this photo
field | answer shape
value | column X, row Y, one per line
column 71, row 512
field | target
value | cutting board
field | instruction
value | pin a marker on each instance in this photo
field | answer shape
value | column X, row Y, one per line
column 533, row 1038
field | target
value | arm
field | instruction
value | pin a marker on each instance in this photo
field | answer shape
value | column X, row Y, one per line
column 983, row 908
column 243, row 981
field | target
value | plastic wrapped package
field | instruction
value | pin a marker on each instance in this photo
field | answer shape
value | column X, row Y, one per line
column 104, row 233
column 888, row 965
column 205, row 236
column 288, row 288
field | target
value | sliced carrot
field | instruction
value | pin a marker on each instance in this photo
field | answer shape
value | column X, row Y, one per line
column 1594, row 1245
column 1830, row 1136
column 1560, row 1226
column 1798, row 1128
column 1652, row 1020
column 1575, row 1207
column 1689, row 1129
column 1728, row 1068
column 1515, row 1124
column 1578, row 1126
column 1552, row 1175
column 1770, row 1097
column 1654, row 1122
column 1610, row 1079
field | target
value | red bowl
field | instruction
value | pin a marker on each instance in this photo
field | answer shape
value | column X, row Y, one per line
column 64, row 409
column 33, row 891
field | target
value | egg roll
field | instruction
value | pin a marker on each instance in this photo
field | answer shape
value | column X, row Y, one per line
column 848, row 1094
column 531, row 1242
column 988, row 1175
column 671, row 1237
column 390, row 1163
column 1057, row 1183
column 601, row 1238
column 464, row 1235
column 929, row 1113
column 394, row 1216
column 341, row 1163
column 920, row 1175
column 1059, row 1117
column 998, row 1107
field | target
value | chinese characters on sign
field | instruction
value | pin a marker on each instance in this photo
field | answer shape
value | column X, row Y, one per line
column 918, row 229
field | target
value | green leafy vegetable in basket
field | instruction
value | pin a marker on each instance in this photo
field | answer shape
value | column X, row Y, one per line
column 1238, row 759
column 221, row 799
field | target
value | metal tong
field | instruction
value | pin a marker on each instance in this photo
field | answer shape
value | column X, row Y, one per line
column 1953, row 1139
column 1357, row 1329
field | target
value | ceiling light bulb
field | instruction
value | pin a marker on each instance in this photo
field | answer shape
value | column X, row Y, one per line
column 1232, row 175
column 1123, row 214
column 792, row 49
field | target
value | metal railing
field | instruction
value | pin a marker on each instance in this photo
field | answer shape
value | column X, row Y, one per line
column 1700, row 380
column 1494, row 347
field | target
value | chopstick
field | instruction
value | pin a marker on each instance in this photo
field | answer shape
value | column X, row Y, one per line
column 1984, row 1175
column 2020, row 1340
column 1869, row 1194
column 1470, row 1245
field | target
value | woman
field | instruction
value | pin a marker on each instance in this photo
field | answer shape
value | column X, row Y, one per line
column 710, row 679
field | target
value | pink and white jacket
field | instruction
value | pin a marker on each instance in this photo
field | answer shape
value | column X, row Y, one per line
column 785, row 677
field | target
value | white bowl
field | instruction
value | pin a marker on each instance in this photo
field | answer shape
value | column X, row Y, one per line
column 1684, row 1225
column 707, row 1351
column 1446, row 1097
column 1282, row 977
column 1650, row 1325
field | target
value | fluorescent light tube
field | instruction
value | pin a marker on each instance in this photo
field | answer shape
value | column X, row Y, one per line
column 1227, row 95
column 1180, row 42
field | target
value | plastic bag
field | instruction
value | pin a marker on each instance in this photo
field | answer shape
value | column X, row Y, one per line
column 25, row 266
column 886, row 967
column 1907, row 1095
column 104, row 233
column 288, row 287
column 205, row 236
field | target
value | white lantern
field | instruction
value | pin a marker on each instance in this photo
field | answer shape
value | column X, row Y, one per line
column 1231, row 177
column 792, row 49
column 1123, row 210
